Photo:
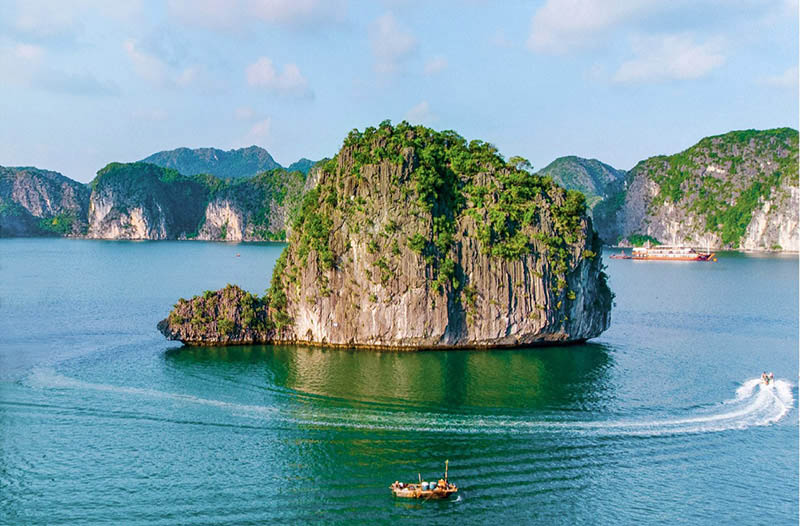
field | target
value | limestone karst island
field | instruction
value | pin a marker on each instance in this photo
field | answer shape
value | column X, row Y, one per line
column 411, row 239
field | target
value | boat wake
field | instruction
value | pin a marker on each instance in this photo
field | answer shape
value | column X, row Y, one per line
column 754, row 404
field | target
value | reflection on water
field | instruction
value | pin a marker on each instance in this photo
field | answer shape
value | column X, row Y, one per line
column 665, row 420
column 539, row 378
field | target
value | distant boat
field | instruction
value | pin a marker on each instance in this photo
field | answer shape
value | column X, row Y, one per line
column 425, row 490
column 238, row 255
column 666, row 253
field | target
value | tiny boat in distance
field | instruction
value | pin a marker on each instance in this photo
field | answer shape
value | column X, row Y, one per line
column 424, row 490
column 665, row 253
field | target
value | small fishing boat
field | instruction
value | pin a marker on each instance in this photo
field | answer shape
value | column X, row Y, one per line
column 423, row 489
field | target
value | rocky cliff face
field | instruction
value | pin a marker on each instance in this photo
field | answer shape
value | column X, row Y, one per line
column 36, row 202
column 144, row 201
column 736, row 190
column 776, row 223
column 254, row 209
column 416, row 239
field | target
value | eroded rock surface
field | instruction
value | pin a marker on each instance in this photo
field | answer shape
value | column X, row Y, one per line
column 416, row 239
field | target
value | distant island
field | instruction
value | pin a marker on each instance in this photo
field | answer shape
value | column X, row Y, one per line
column 731, row 191
column 414, row 238
column 231, row 164
column 734, row 191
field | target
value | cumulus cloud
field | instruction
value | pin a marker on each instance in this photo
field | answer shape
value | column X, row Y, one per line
column 259, row 131
column 147, row 66
column 420, row 114
column 31, row 68
column 263, row 74
column 435, row 65
column 501, row 40
column 234, row 14
column 55, row 19
column 156, row 71
column 392, row 44
column 150, row 114
column 244, row 113
column 562, row 25
column 29, row 52
column 670, row 57
column 787, row 79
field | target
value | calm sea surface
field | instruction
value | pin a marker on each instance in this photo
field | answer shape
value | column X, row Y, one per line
column 660, row 420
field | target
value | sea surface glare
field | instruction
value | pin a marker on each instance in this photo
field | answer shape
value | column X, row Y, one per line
column 661, row 420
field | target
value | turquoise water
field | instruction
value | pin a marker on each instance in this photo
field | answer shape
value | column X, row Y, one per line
column 660, row 420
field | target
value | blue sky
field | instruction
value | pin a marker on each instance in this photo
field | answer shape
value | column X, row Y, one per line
column 89, row 82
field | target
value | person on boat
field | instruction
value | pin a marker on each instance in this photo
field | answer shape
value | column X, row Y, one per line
column 764, row 377
column 771, row 377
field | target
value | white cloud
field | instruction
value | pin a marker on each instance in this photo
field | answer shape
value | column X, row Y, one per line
column 435, row 65
column 29, row 52
column 420, row 114
column 244, row 113
column 31, row 69
column 290, row 81
column 152, row 115
column 278, row 11
column 391, row 44
column 234, row 14
column 787, row 79
column 259, row 131
column 562, row 25
column 499, row 39
column 156, row 71
column 147, row 66
column 670, row 57
column 43, row 19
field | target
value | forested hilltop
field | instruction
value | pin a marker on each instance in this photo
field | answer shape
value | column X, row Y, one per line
column 415, row 238
column 737, row 191
column 231, row 164
column 36, row 202
column 596, row 180
column 145, row 201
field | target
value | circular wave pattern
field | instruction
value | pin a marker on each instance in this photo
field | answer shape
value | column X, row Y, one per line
column 754, row 404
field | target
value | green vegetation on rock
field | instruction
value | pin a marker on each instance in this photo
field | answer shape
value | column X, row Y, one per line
column 594, row 179
column 183, row 200
column 725, row 178
column 639, row 240
column 450, row 178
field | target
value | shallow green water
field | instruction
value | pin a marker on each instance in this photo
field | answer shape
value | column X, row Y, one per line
column 659, row 420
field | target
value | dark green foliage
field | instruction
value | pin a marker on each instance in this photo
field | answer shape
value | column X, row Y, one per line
column 727, row 201
column 639, row 240
column 224, row 326
column 244, row 162
column 417, row 243
column 303, row 166
column 276, row 294
column 451, row 179
column 443, row 185
column 596, row 180
column 182, row 199
column 314, row 227
column 61, row 224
